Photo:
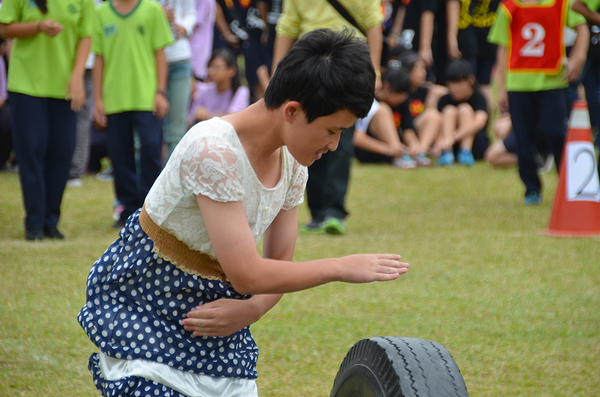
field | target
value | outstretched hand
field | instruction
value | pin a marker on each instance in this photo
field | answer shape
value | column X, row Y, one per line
column 365, row 268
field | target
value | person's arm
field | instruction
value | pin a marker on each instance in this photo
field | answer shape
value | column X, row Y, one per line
column 188, row 18
column 161, row 104
column 582, row 8
column 76, row 87
column 231, row 38
column 226, row 316
column 578, row 54
column 503, row 104
column 97, row 78
column 281, row 47
column 375, row 42
column 365, row 142
column 452, row 15
column 393, row 36
column 426, row 37
column 234, row 246
column 27, row 29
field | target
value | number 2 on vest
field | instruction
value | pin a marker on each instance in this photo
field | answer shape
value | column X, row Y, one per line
column 534, row 33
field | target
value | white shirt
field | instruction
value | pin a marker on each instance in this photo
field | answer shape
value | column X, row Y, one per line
column 210, row 160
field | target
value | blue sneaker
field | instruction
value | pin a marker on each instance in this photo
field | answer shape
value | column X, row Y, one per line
column 465, row 157
column 447, row 159
column 533, row 198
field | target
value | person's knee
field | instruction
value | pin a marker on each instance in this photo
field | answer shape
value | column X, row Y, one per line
column 449, row 111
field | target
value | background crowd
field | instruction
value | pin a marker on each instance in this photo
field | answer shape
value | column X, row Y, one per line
column 156, row 68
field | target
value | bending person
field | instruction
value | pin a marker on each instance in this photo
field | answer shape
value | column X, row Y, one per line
column 230, row 182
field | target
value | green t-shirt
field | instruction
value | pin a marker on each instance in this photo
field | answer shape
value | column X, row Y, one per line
column 593, row 5
column 529, row 81
column 41, row 65
column 127, row 43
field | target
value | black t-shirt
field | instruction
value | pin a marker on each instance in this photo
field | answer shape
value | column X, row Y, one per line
column 416, row 101
column 412, row 20
column 477, row 101
column 402, row 117
column 235, row 14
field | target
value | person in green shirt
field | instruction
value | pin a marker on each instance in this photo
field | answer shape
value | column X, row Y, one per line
column 130, row 78
column 46, row 88
column 533, row 72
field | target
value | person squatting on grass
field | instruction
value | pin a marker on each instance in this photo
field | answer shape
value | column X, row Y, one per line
column 464, row 117
column 170, row 302
column 377, row 136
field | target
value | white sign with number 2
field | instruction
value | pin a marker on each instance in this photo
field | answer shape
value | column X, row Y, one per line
column 582, row 173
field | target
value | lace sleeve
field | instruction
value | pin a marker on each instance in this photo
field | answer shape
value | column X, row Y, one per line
column 295, row 193
column 210, row 166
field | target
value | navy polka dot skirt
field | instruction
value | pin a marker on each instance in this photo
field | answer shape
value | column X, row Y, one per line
column 135, row 304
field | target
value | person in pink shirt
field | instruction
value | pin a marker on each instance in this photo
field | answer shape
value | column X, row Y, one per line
column 201, row 40
column 222, row 94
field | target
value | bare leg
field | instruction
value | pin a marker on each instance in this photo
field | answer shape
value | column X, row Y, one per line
column 498, row 156
column 466, row 117
column 428, row 126
column 449, row 125
column 383, row 128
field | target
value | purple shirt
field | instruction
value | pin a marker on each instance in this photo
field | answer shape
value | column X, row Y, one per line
column 216, row 102
column 201, row 40
column 3, row 93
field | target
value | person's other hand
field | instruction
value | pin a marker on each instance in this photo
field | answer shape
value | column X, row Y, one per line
column 201, row 114
column 50, row 27
column 161, row 106
column 169, row 13
column 178, row 31
column 76, row 93
column 503, row 105
column 222, row 317
column 427, row 56
column 99, row 115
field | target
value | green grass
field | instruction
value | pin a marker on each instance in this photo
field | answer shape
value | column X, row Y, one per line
column 518, row 311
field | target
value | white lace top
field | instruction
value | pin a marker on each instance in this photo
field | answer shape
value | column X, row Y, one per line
column 210, row 160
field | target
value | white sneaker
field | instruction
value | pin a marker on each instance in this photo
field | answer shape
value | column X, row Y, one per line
column 404, row 161
column 75, row 182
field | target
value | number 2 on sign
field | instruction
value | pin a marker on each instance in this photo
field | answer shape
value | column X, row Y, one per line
column 582, row 176
column 534, row 33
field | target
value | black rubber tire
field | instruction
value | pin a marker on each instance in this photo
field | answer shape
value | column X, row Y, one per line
column 392, row 366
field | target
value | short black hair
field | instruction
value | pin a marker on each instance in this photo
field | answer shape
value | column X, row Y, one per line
column 325, row 71
column 397, row 76
column 409, row 59
column 459, row 70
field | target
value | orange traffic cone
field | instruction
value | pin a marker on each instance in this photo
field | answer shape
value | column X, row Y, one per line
column 576, row 209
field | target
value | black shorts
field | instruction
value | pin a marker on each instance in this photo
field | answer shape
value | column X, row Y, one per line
column 510, row 143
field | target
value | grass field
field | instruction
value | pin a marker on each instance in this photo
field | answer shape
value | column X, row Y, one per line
column 519, row 312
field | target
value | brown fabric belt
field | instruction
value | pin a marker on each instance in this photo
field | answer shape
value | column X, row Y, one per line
column 170, row 248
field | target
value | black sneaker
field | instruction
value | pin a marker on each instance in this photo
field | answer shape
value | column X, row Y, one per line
column 52, row 232
column 34, row 234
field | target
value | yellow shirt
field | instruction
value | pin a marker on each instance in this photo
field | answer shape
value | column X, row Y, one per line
column 301, row 16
